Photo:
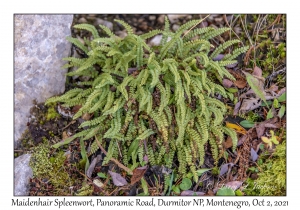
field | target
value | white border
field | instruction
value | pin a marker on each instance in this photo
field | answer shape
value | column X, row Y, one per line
column 148, row 7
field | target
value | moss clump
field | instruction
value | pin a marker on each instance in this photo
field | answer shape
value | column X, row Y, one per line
column 272, row 178
column 51, row 168
column 51, row 112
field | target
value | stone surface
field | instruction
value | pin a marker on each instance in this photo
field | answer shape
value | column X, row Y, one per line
column 174, row 18
column 22, row 175
column 40, row 45
column 108, row 24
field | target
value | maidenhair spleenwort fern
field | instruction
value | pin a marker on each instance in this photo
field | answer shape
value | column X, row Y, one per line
column 157, row 102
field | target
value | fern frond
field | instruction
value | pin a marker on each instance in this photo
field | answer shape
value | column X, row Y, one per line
column 151, row 34
column 78, row 43
column 214, row 33
column 89, row 28
column 107, row 30
column 125, row 25
column 235, row 53
column 223, row 46
column 196, row 32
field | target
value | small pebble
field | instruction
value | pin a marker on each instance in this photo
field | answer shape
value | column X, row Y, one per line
column 161, row 19
column 175, row 27
column 82, row 20
column 152, row 17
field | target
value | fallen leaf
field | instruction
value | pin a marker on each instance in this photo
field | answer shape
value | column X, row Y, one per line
column 138, row 173
column 236, row 127
column 224, row 168
column 86, row 116
column 131, row 70
column 281, row 92
column 64, row 135
column 257, row 85
column 76, row 108
column 236, row 108
column 191, row 193
column 234, row 185
column 227, row 83
column 230, row 66
column 250, row 104
column 254, row 155
column 242, row 139
column 92, row 166
column 118, row 180
column 228, row 143
column 257, row 72
column 240, row 83
column 218, row 57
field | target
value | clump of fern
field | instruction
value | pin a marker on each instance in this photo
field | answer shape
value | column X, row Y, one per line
column 154, row 101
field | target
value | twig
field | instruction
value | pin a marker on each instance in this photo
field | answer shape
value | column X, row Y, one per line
column 113, row 159
column 229, row 25
column 195, row 26
column 72, row 122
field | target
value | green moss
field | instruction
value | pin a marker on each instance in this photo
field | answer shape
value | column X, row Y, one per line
column 51, row 168
column 51, row 112
column 272, row 178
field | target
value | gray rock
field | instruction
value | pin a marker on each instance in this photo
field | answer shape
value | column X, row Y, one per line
column 100, row 21
column 155, row 41
column 174, row 18
column 22, row 175
column 175, row 27
column 40, row 45
column 152, row 17
column 82, row 20
column 161, row 19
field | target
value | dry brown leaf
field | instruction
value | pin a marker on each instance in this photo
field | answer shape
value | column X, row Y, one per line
column 228, row 143
column 76, row 108
column 240, row 83
column 86, row 116
column 257, row 72
column 138, row 173
column 64, row 135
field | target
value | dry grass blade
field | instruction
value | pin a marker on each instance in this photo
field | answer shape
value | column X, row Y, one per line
column 113, row 159
column 195, row 25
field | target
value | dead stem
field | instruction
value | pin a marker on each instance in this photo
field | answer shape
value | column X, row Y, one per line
column 113, row 159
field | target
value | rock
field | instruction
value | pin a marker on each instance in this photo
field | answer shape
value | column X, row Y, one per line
column 175, row 27
column 22, row 175
column 121, row 34
column 40, row 45
column 100, row 21
column 174, row 18
column 152, row 17
column 161, row 19
column 155, row 41
column 82, row 20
